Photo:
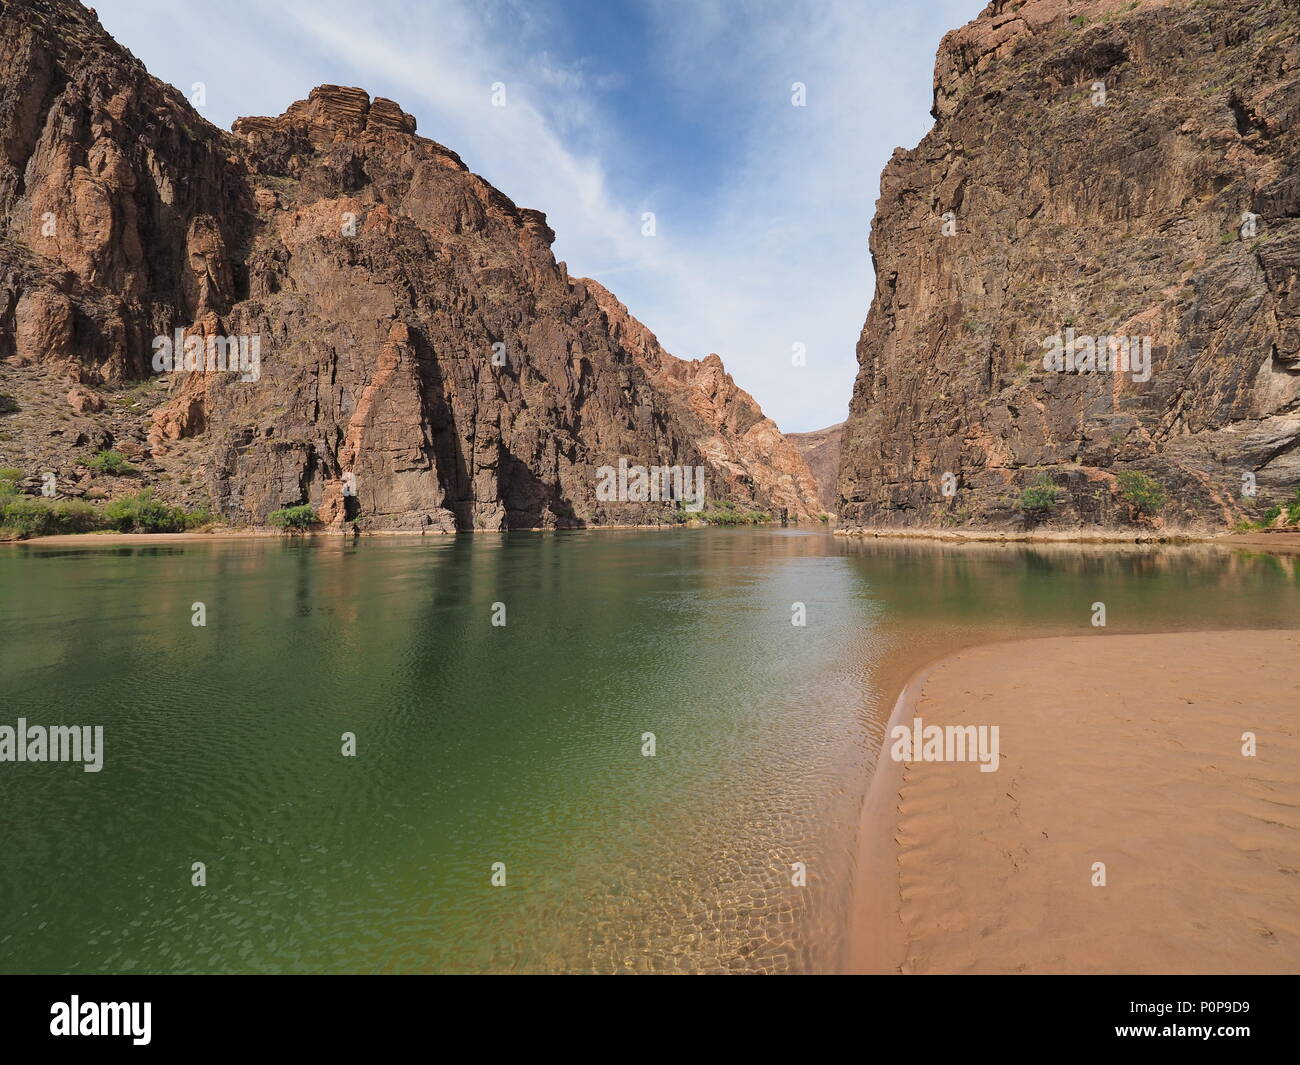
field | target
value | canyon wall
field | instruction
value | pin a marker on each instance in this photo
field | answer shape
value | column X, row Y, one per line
column 821, row 450
column 1095, row 170
column 743, row 447
column 384, row 335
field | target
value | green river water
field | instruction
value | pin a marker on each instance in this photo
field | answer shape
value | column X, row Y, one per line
column 519, row 743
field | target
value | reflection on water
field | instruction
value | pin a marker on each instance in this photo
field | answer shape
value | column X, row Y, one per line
column 479, row 744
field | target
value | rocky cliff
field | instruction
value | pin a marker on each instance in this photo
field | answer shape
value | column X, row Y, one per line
column 1089, row 267
column 318, row 308
column 742, row 447
column 821, row 450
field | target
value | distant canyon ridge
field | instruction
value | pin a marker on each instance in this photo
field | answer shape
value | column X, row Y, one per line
column 422, row 360
column 1097, row 169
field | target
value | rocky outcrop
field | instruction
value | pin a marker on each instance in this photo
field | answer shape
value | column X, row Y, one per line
column 1096, row 170
column 343, row 314
column 743, row 448
column 821, row 450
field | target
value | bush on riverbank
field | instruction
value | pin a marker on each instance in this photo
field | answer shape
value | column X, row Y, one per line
column 1141, row 492
column 1278, row 516
column 1037, row 501
column 24, row 516
column 727, row 513
column 294, row 519
column 142, row 513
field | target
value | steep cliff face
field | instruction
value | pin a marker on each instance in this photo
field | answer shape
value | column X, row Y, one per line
column 742, row 447
column 317, row 308
column 821, row 450
column 1096, row 170
column 112, row 191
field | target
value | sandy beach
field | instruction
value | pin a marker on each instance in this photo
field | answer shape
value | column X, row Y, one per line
column 1122, row 750
column 1277, row 541
column 115, row 539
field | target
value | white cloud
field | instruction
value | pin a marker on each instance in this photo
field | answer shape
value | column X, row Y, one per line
column 787, row 259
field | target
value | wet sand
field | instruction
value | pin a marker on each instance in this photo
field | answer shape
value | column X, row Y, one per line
column 1124, row 750
column 1280, row 541
column 1286, row 543
column 117, row 539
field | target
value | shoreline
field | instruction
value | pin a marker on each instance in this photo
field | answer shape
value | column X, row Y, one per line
column 1284, row 541
column 962, row 871
column 1278, row 542
column 112, row 539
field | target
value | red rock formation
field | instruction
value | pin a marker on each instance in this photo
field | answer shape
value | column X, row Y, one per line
column 1122, row 213
column 742, row 446
column 414, row 335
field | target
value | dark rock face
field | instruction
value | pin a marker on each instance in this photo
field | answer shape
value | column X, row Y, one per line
column 821, row 450
column 384, row 334
column 1114, row 170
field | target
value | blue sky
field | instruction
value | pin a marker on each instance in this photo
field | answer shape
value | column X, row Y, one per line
column 677, row 107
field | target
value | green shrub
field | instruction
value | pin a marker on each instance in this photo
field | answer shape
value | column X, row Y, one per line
column 29, row 517
column 294, row 519
column 77, row 516
column 1141, row 492
column 142, row 513
column 1293, row 508
column 39, row 517
column 9, row 478
column 8, row 404
column 112, row 462
column 730, row 515
column 1040, row 497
